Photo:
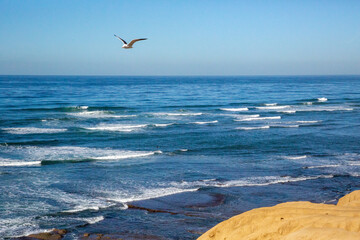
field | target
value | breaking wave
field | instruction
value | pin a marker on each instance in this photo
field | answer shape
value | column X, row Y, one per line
column 33, row 130
column 257, row 118
column 252, row 128
column 145, row 194
column 234, row 109
column 201, row 123
column 296, row 157
column 117, row 127
column 272, row 107
column 248, row 182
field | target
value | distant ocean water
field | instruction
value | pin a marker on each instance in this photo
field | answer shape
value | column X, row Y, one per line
column 75, row 151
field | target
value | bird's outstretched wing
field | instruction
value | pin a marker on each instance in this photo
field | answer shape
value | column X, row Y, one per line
column 121, row 39
column 135, row 40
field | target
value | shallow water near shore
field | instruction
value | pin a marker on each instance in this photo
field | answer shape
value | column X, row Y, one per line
column 170, row 157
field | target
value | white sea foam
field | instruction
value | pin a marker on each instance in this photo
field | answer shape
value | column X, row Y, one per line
column 68, row 153
column 325, row 166
column 82, row 107
column 33, row 130
column 117, row 127
column 93, row 220
column 147, row 194
column 250, row 181
column 289, row 112
column 247, row 116
column 323, row 99
column 324, row 109
column 18, row 163
column 123, row 116
column 295, row 157
column 17, row 227
column 235, row 109
column 307, row 121
column 285, row 126
column 272, row 180
column 82, row 209
column 272, row 107
column 253, row 128
column 354, row 164
column 127, row 154
column 270, row 104
column 177, row 114
column 257, row 118
column 99, row 114
column 163, row 124
column 201, row 123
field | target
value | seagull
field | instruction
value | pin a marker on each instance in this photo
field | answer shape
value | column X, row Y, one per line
column 126, row 45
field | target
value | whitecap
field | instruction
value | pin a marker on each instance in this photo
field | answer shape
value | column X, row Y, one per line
column 252, row 128
column 323, row 99
column 163, row 124
column 19, row 163
column 82, row 209
column 257, row 118
column 354, row 164
column 127, row 154
column 325, row 166
column 234, row 109
column 324, row 109
column 264, row 181
column 70, row 153
column 290, row 111
column 93, row 220
column 285, row 126
column 34, row 130
column 117, row 127
column 247, row 116
column 99, row 114
column 205, row 122
column 295, row 157
column 272, row 107
column 145, row 194
column 270, row 104
column 177, row 114
column 248, row 182
column 307, row 121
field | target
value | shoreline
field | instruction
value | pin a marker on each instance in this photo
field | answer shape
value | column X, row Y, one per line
column 282, row 221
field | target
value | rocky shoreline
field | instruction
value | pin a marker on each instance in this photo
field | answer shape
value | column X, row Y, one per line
column 282, row 221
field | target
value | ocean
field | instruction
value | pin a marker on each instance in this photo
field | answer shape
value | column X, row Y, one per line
column 169, row 157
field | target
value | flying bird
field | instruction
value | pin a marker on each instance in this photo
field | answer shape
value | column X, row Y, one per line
column 130, row 44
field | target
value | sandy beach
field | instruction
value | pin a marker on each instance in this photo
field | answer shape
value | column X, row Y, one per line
column 294, row 220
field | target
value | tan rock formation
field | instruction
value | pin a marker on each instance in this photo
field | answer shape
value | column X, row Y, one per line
column 294, row 221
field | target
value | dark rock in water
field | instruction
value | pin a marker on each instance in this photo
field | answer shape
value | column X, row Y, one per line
column 119, row 236
column 177, row 203
column 196, row 232
column 212, row 200
column 130, row 206
column 55, row 234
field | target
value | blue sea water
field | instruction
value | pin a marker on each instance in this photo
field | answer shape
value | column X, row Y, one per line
column 75, row 151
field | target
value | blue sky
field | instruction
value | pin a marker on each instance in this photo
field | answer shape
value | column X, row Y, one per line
column 186, row 37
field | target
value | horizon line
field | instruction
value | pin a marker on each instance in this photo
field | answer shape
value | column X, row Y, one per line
column 190, row 75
